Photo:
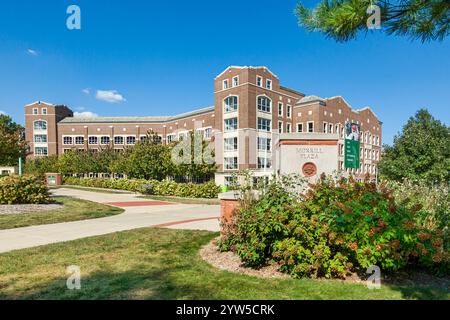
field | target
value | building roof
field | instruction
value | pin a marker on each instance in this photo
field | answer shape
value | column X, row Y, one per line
column 310, row 99
column 155, row 119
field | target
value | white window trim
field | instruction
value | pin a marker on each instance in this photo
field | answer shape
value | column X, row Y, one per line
column 269, row 87
column 266, row 119
column 223, row 104
column 289, row 125
column 280, row 127
column 233, row 85
column 262, row 81
column 307, row 127
column 237, row 124
column 296, row 127
column 271, row 103
column 289, row 114
column 227, row 86
column 282, row 109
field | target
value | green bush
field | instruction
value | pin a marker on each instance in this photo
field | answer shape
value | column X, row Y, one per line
column 332, row 230
column 161, row 188
column 23, row 190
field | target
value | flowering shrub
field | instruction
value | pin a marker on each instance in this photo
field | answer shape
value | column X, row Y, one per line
column 161, row 188
column 23, row 190
column 333, row 229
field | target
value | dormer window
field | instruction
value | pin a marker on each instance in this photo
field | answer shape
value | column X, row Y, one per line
column 269, row 84
column 235, row 81
column 225, row 84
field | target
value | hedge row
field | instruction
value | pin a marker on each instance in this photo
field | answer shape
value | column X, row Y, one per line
column 161, row 188
column 23, row 190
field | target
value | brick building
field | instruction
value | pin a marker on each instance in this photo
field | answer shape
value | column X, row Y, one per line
column 253, row 115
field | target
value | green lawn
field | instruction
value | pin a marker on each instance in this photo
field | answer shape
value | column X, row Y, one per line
column 73, row 210
column 161, row 264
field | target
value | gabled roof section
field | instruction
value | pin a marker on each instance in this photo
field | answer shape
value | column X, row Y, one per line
column 246, row 67
column 40, row 102
column 367, row 108
column 310, row 99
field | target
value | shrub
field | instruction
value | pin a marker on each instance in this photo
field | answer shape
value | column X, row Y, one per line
column 23, row 190
column 160, row 188
column 335, row 228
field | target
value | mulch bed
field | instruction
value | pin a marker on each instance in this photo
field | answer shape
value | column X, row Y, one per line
column 229, row 261
column 27, row 208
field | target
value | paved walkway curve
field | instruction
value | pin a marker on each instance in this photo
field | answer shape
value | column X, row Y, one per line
column 139, row 213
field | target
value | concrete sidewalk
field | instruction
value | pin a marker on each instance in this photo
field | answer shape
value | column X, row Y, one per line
column 147, row 214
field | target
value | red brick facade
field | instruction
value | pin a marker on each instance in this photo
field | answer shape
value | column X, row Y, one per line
column 251, row 108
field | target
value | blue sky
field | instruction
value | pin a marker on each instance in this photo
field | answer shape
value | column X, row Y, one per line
column 161, row 58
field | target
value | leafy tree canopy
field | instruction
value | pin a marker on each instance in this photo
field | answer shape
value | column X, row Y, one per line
column 12, row 144
column 343, row 20
column 420, row 152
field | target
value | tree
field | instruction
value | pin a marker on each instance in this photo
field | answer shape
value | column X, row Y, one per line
column 12, row 144
column 343, row 20
column 421, row 151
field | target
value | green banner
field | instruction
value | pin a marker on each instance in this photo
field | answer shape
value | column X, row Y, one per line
column 352, row 145
column 352, row 154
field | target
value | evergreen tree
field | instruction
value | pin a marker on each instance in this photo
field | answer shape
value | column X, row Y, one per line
column 343, row 20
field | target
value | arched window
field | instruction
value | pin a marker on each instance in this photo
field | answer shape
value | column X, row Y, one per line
column 40, row 125
column 264, row 104
column 230, row 104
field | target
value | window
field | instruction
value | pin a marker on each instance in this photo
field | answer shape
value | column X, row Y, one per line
column 170, row 138
column 40, row 125
column 231, row 144
column 79, row 140
column 208, row 133
column 299, row 127
column 230, row 104
column 229, row 181
column 182, row 136
column 269, row 84
column 336, row 128
column 41, row 151
column 289, row 111
column 235, row 81
column 310, row 126
column 157, row 140
column 280, row 109
column 35, row 111
column 264, row 124
column 44, row 111
column 68, row 140
column 118, row 140
column 40, row 138
column 280, row 127
column 330, row 128
column 93, row 140
column 264, row 104
column 264, row 144
column 264, row 163
column 288, row 128
column 131, row 140
column 66, row 150
column 104, row 140
column 231, row 163
column 225, row 84
column 259, row 81
column 231, row 124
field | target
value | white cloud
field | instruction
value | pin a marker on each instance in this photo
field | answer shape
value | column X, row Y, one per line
column 86, row 91
column 32, row 52
column 111, row 96
column 85, row 114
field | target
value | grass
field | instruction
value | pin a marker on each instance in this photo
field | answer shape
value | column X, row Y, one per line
column 73, row 210
column 162, row 264
column 183, row 200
